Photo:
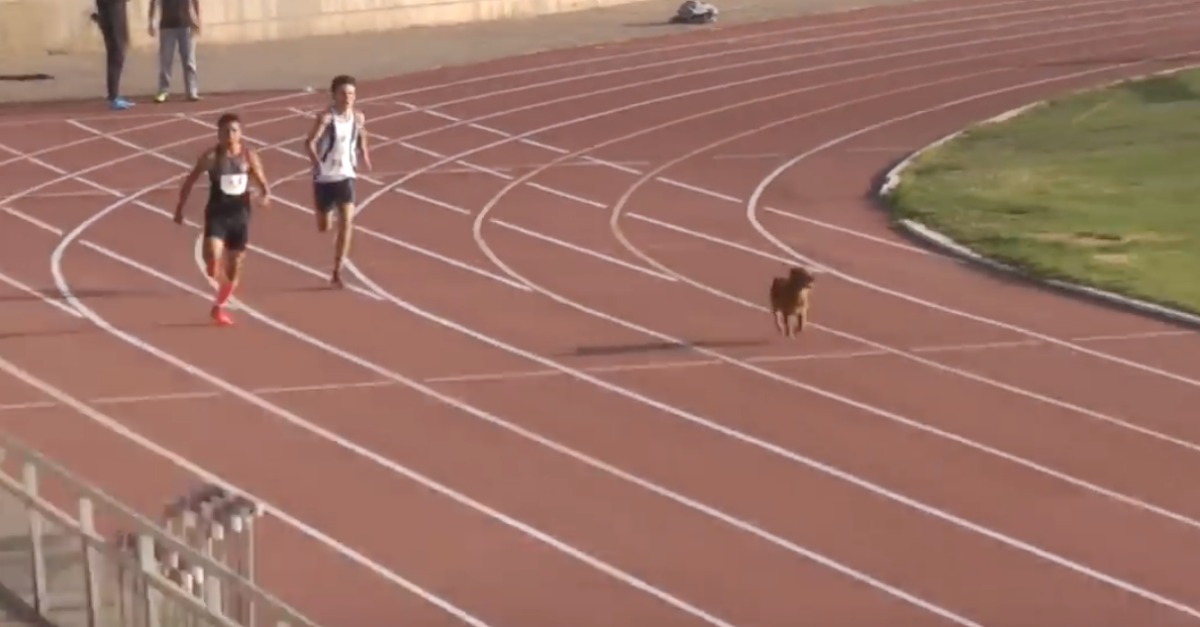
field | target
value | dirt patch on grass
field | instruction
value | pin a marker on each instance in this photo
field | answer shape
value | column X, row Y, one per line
column 1096, row 240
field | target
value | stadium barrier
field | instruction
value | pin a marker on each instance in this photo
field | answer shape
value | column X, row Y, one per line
column 196, row 569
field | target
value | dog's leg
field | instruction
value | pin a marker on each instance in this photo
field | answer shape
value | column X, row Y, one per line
column 780, row 322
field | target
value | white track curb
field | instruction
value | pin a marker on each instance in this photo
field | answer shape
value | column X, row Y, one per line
column 943, row 243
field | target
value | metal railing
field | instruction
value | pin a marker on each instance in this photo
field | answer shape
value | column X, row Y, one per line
column 196, row 569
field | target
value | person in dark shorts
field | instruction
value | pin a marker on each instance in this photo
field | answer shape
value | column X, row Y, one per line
column 230, row 165
column 335, row 141
column 112, row 18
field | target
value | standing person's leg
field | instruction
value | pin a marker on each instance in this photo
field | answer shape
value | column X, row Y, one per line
column 104, row 22
column 120, row 23
column 168, row 41
column 187, row 59
column 114, row 27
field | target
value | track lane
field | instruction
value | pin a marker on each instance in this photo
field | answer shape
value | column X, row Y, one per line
column 889, row 57
column 899, row 316
column 329, row 468
column 474, row 190
column 144, row 481
column 241, row 458
column 127, row 372
column 477, row 222
column 813, row 509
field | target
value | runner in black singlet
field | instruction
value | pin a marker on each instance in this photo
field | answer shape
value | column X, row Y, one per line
column 230, row 166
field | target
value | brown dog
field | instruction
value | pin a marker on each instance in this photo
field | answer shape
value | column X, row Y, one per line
column 789, row 299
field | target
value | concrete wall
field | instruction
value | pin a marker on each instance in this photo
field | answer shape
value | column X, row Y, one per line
column 38, row 27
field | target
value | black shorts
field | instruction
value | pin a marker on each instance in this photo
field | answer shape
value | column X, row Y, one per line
column 333, row 194
column 231, row 227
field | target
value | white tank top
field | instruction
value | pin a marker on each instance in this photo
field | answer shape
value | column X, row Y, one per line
column 336, row 149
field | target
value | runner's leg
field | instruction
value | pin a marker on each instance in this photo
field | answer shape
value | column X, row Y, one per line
column 212, row 246
column 236, row 238
column 323, row 205
column 345, row 205
column 233, row 274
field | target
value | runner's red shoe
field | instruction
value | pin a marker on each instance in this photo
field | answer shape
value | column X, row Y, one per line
column 220, row 317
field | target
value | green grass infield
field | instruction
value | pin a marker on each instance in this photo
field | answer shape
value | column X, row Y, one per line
column 1100, row 188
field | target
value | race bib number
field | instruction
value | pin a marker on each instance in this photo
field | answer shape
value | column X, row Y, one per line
column 234, row 184
column 339, row 158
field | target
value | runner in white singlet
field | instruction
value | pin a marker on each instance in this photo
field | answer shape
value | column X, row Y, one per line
column 335, row 142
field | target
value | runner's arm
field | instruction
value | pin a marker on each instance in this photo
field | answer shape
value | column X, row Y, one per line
column 260, row 176
column 189, row 181
column 364, row 146
column 310, row 142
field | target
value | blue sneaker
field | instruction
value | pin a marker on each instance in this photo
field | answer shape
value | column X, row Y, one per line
column 119, row 104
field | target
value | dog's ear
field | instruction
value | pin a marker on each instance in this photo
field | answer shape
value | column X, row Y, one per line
column 807, row 278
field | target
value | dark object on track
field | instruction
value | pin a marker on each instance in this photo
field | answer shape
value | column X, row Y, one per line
column 25, row 77
column 695, row 12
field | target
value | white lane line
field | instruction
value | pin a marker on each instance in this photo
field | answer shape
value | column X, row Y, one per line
column 159, row 120
column 724, row 52
column 53, row 302
column 722, row 44
column 519, row 229
column 1137, row 428
column 204, row 395
column 752, row 215
column 781, row 359
column 62, row 397
column 454, row 262
column 199, row 471
column 329, row 436
column 948, row 517
column 737, row 523
column 506, row 375
column 300, row 208
column 703, row 70
column 111, row 425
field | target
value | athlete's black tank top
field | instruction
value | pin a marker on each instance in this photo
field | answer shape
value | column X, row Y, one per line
column 229, row 189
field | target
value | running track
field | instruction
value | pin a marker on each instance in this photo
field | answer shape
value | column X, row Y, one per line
column 552, row 397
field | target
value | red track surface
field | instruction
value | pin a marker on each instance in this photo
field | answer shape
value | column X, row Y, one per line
column 902, row 464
